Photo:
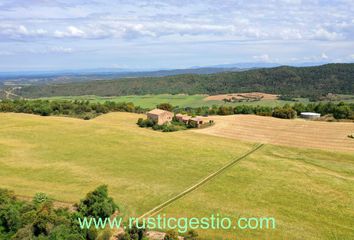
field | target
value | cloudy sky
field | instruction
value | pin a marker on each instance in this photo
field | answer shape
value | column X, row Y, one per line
column 146, row 34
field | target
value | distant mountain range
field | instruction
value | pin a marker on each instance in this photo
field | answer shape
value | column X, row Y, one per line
column 113, row 73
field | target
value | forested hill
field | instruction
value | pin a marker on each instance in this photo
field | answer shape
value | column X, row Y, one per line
column 295, row 81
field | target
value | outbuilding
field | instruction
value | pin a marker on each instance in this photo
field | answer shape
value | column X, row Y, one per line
column 310, row 115
column 183, row 118
column 196, row 120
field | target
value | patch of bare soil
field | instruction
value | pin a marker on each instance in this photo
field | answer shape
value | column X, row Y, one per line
column 297, row 133
column 243, row 96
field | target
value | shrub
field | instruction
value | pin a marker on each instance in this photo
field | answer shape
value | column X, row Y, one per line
column 191, row 235
column 145, row 122
column 284, row 112
column 171, row 235
column 40, row 198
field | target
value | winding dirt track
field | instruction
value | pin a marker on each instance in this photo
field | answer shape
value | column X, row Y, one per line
column 297, row 133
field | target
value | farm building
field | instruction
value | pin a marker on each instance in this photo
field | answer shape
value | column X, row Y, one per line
column 196, row 120
column 183, row 118
column 160, row 116
column 187, row 119
column 310, row 115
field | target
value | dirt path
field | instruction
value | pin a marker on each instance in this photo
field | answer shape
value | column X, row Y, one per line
column 297, row 133
column 155, row 210
column 9, row 93
column 199, row 184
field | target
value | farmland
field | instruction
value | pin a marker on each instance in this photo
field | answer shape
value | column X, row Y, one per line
column 299, row 132
column 184, row 100
column 309, row 192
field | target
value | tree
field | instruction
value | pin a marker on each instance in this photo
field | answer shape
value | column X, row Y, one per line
column 165, row 106
column 97, row 203
column 10, row 217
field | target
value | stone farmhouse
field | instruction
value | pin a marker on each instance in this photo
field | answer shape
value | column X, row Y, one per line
column 160, row 116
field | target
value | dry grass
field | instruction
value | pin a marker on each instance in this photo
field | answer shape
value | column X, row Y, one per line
column 299, row 133
column 309, row 192
column 67, row 157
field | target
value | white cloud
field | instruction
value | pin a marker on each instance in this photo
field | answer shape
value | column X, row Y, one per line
column 71, row 31
column 262, row 58
column 324, row 56
column 9, row 31
column 210, row 31
column 59, row 49
column 323, row 34
column 238, row 20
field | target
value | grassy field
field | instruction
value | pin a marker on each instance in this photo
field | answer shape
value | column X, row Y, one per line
column 67, row 157
column 182, row 100
column 310, row 193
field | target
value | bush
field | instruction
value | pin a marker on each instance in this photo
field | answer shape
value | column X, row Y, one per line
column 40, row 198
column 171, row 235
column 191, row 235
column 284, row 112
column 145, row 122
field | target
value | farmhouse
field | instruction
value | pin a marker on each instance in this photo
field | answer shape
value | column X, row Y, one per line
column 160, row 116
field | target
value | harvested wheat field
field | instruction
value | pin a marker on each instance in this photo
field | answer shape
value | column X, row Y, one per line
column 299, row 132
column 242, row 96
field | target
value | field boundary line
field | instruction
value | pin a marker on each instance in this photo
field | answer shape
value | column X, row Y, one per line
column 200, row 183
column 56, row 203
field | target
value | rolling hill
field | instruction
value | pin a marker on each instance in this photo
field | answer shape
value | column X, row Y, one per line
column 295, row 81
column 309, row 192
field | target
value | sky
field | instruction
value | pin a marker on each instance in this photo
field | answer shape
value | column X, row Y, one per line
column 151, row 34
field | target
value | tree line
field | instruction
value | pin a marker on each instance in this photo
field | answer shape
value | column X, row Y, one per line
column 340, row 110
column 80, row 109
column 87, row 110
column 312, row 82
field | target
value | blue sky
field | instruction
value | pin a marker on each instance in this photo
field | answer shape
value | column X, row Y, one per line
column 85, row 34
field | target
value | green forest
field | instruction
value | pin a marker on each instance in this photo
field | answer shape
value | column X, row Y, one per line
column 291, row 81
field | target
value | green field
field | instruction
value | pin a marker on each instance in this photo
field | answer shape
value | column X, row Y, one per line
column 183, row 100
column 310, row 193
